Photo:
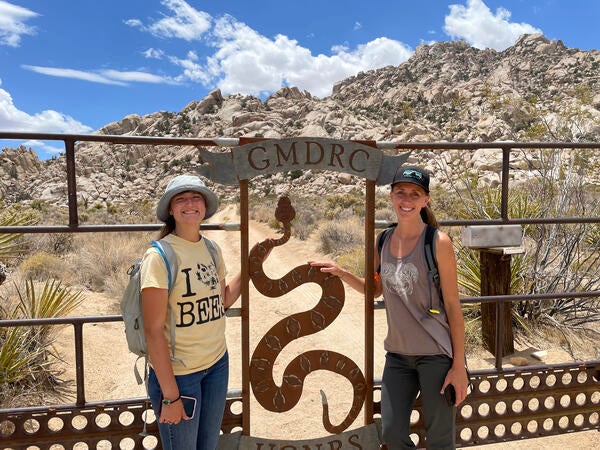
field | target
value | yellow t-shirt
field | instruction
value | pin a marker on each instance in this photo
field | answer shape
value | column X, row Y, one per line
column 195, row 301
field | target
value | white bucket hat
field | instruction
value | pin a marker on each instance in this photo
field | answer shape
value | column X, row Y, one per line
column 184, row 183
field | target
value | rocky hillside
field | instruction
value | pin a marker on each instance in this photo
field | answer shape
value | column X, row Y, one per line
column 536, row 90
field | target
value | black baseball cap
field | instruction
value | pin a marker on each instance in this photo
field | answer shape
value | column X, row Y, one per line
column 412, row 174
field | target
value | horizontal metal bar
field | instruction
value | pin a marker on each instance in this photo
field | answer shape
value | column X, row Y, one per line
column 380, row 224
column 108, row 228
column 208, row 142
column 223, row 141
column 380, row 304
column 60, row 320
column 482, row 145
column 234, row 312
column 529, row 297
column 532, row 221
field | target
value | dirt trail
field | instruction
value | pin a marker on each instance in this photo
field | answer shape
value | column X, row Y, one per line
column 109, row 365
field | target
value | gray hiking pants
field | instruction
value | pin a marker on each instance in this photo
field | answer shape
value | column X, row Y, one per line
column 403, row 378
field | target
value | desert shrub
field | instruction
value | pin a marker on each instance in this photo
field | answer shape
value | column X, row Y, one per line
column 262, row 210
column 308, row 215
column 343, row 204
column 43, row 265
column 353, row 261
column 55, row 243
column 102, row 262
column 385, row 214
column 11, row 245
column 338, row 237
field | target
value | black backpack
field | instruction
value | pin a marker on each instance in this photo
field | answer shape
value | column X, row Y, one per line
column 433, row 274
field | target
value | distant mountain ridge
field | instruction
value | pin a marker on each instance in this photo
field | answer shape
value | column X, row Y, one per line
column 536, row 90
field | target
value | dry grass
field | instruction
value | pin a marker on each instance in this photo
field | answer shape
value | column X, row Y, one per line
column 102, row 262
column 338, row 237
column 42, row 265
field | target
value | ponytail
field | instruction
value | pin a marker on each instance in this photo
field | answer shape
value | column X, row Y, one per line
column 167, row 228
column 428, row 216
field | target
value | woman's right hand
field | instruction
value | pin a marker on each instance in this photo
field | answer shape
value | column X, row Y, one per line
column 329, row 267
column 173, row 413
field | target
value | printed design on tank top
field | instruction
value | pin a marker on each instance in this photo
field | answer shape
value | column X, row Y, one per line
column 400, row 278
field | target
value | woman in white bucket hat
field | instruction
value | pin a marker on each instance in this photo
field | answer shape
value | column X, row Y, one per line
column 198, row 300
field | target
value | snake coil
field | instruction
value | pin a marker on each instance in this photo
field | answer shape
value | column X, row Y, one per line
column 285, row 397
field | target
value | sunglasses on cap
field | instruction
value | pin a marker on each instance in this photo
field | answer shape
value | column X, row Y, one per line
column 411, row 173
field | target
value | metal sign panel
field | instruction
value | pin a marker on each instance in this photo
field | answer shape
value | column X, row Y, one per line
column 272, row 156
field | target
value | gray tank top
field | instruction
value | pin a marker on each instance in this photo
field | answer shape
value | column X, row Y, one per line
column 412, row 329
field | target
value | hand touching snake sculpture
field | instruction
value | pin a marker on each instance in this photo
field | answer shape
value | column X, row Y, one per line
column 285, row 397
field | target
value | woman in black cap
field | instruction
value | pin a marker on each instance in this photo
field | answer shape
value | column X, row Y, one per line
column 195, row 308
column 425, row 340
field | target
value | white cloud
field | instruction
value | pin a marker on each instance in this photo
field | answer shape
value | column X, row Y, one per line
column 49, row 121
column 136, row 76
column 357, row 26
column 249, row 63
column 153, row 53
column 246, row 62
column 187, row 23
column 73, row 73
column 242, row 60
column 479, row 27
column 12, row 23
column 115, row 77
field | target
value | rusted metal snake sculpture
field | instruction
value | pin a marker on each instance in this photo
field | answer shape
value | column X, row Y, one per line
column 285, row 397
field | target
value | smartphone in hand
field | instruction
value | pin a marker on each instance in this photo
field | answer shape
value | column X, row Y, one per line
column 450, row 394
column 189, row 405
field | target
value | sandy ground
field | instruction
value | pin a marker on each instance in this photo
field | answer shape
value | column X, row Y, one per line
column 109, row 365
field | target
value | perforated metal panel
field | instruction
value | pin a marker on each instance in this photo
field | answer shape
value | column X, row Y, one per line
column 522, row 404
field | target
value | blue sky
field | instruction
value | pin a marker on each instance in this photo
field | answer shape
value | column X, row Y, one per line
column 73, row 66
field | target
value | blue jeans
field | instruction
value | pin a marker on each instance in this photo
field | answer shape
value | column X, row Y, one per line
column 209, row 387
column 403, row 377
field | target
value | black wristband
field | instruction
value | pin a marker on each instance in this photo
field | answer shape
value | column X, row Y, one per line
column 170, row 402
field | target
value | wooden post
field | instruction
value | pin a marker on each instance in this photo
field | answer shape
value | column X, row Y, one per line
column 495, row 280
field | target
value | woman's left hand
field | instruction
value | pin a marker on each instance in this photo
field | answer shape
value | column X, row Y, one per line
column 457, row 377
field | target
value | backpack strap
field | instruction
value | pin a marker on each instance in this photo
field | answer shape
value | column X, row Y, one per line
column 381, row 239
column 433, row 274
column 168, row 255
column 212, row 249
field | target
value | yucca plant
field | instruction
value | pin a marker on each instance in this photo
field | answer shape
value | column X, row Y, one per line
column 10, row 244
column 53, row 301
column 26, row 353
column 20, row 357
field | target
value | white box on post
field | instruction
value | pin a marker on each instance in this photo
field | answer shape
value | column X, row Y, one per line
column 492, row 236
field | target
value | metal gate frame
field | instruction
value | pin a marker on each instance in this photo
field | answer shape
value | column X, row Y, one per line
column 505, row 405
